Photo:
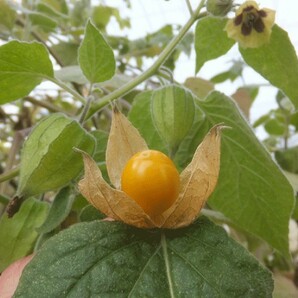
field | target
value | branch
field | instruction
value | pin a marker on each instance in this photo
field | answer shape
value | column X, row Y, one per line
column 154, row 67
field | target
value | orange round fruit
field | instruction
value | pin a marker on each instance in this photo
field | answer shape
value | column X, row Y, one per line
column 152, row 180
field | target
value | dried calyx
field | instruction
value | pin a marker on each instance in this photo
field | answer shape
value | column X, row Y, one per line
column 197, row 180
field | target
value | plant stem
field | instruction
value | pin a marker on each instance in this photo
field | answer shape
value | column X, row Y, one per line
column 86, row 108
column 64, row 86
column 46, row 105
column 9, row 174
column 189, row 7
column 167, row 263
column 153, row 68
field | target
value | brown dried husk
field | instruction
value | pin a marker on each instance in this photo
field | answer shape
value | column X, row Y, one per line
column 124, row 141
column 197, row 181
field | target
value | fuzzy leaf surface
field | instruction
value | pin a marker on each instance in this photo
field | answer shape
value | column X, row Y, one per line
column 96, row 57
column 48, row 160
column 209, row 34
column 59, row 210
column 107, row 259
column 18, row 234
column 22, row 67
column 251, row 190
column 277, row 62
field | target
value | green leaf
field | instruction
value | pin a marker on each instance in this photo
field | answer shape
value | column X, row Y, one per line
column 41, row 21
column 7, row 17
column 96, row 57
column 90, row 213
column 105, row 259
column 140, row 117
column 48, row 160
column 22, row 67
column 101, row 141
column 251, row 190
column 102, row 14
column 18, row 234
column 288, row 159
column 59, row 210
column 275, row 127
column 211, row 41
column 277, row 62
column 67, row 52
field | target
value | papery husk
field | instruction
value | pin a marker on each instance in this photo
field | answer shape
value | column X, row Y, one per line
column 113, row 203
column 124, row 141
column 198, row 180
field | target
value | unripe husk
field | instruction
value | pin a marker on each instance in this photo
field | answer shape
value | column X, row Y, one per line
column 173, row 111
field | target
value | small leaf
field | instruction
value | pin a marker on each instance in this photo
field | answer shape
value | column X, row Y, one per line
column 96, row 57
column 7, row 16
column 124, row 141
column 48, row 160
column 18, row 234
column 101, row 141
column 209, row 34
column 42, row 21
column 273, row 64
column 59, row 210
column 107, row 259
column 275, row 127
column 288, row 159
column 90, row 213
column 172, row 111
column 67, row 52
column 22, row 67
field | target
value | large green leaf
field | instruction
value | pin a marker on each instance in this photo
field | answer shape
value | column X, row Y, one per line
column 22, row 67
column 109, row 259
column 96, row 57
column 48, row 160
column 252, row 191
column 277, row 62
column 211, row 41
column 18, row 234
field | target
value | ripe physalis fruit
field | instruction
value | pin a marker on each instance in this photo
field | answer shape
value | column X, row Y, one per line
column 152, row 180
column 153, row 198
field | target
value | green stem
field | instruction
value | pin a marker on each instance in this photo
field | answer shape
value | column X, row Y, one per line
column 167, row 263
column 47, row 105
column 9, row 174
column 153, row 68
column 64, row 86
